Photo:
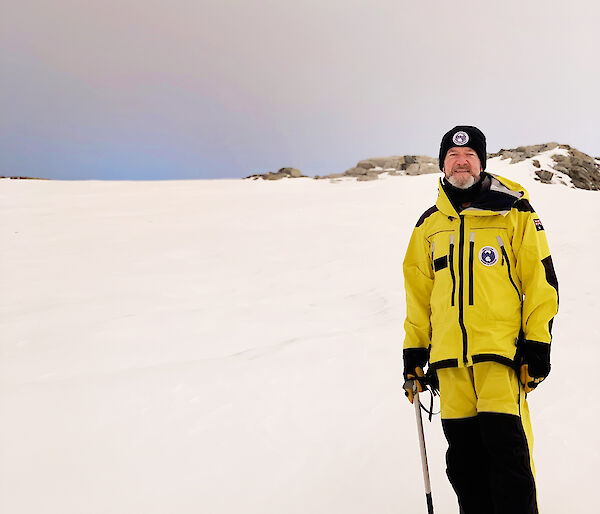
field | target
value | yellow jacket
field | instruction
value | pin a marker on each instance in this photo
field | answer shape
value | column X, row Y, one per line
column 480, row 281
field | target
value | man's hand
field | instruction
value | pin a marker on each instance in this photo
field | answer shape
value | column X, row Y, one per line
column 415, row 360
column 535, row 364
column 409, row 384
column 529, row 382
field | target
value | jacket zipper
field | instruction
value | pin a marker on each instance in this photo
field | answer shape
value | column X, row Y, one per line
column 471, row 251
column 451, row 259
column 505, row 258
column 461, row 260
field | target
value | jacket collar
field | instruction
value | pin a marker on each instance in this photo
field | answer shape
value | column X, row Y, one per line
column 495, row 198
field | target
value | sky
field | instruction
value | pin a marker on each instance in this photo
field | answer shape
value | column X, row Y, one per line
column 185, row 89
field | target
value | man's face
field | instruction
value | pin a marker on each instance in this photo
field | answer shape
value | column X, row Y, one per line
column 462, row 167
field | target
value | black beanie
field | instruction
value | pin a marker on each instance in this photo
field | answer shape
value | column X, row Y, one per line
column 463, row 135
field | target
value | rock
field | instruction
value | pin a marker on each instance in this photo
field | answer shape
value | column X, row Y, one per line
column 583, row 169
column 545, row 176
column 256, row 176
column 282, row 173
column 521, row 153
column 412, row 169
column 368, row 176
column 291, row 172
column 561, row 169
column 393, row 163
column 420, row 160
column 14, row 177
column 273, row 176
column 422, row 168
column 355, row 172
column 513, row 156
column 427, row 168
column 366, row 164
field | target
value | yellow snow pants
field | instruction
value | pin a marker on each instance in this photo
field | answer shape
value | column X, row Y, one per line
column 486, row 422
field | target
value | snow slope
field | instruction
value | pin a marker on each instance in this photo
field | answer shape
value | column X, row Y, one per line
column 235, row 346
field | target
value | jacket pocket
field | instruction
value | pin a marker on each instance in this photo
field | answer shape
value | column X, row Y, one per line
column 505, row 259
column 452, row 275
column 471, row 251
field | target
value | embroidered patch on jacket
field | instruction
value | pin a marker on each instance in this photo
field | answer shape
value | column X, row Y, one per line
column 488, row 256
column 538, row 224
column 460, row 138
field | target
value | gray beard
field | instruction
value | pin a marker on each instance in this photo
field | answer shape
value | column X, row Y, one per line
column 461, row 185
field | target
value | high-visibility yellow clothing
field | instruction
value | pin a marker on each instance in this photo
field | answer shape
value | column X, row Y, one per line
column 479, row 281
column 486, row 422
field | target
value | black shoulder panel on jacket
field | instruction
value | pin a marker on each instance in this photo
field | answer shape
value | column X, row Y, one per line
column 426, row 215
column 523, row 206
column 550, row 273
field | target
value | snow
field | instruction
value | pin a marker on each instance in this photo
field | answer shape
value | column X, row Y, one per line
column 235, row 346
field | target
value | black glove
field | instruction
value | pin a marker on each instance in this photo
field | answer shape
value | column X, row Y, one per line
column 415, row 360
column 534, row 363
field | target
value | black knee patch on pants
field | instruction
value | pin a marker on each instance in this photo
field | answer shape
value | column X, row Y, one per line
column 513, row 484
column 468, row 465
column 488, row 464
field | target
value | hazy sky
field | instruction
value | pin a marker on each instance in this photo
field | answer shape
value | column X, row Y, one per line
column 135, row 89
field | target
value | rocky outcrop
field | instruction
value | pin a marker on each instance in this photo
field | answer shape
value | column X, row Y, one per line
column 26, row 178
column 282, row 173
column 582, row 169
column 524, row 152
column 367, row 169
column 370, row 169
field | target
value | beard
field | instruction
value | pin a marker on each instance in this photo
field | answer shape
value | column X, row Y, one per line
column 462, row 180
column 461, row 184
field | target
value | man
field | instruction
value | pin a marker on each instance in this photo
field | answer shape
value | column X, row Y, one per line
column 481, row 294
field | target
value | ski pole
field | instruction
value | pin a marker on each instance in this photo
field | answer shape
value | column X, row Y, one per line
column 417, row 404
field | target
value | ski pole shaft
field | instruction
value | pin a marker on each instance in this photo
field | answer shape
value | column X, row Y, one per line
column 426, row 480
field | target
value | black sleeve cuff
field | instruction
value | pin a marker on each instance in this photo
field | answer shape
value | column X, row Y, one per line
column 537, row 356
column 414, row 358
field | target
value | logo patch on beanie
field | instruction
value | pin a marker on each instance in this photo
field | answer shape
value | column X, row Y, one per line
column 488, row 256
column 460, row 138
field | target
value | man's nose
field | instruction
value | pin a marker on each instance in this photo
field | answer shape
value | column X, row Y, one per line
column 461, row 159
